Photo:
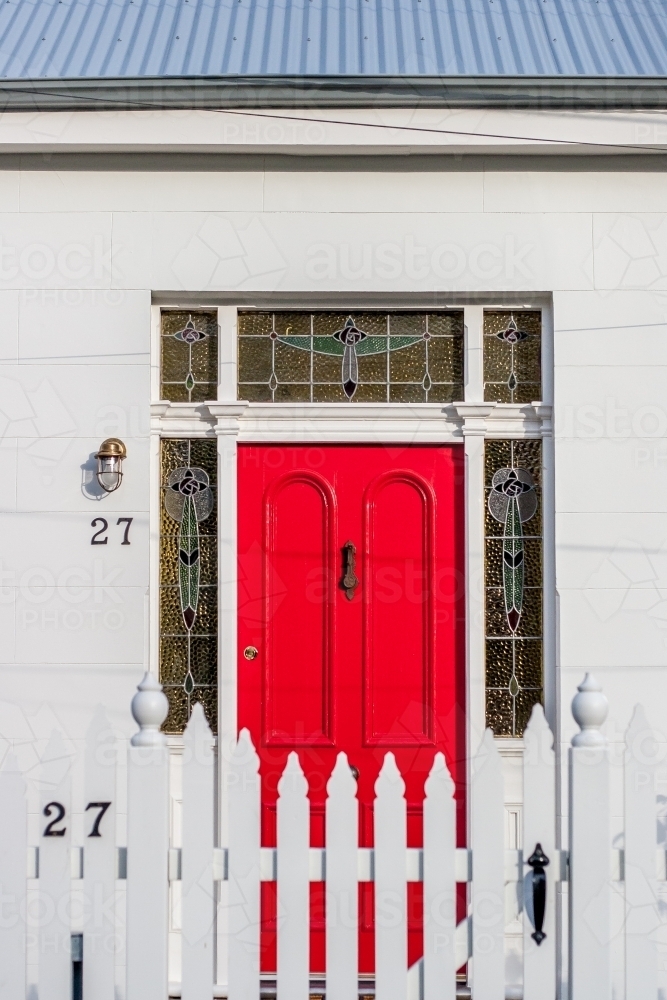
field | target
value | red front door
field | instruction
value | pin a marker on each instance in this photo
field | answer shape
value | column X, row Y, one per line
column 361, row 649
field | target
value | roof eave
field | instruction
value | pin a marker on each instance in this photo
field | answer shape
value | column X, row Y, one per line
column 209, row 93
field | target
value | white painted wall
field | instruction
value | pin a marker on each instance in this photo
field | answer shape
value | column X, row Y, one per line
column 83, row 250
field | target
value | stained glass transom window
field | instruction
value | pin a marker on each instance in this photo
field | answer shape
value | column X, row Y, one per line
column 512, row 357
column 371, row 357
column 188, row 579
column 189, row 356
column 513, row 583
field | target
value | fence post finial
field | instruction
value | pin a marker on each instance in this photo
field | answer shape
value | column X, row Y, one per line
column 589, row 708
column 149, row 708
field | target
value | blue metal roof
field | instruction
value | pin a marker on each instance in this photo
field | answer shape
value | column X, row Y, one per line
column 86, row 39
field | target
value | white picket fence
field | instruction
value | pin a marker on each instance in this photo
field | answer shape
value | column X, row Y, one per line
column 78, row 909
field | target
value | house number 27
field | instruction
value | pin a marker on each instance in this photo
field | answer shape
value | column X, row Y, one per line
column 100, row 536
column 55, row 812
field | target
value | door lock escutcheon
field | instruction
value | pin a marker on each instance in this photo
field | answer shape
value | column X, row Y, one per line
column 350, row 581
column 251, row 652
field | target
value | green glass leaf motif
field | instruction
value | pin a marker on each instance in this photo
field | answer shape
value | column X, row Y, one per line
column 514, row 686
column 513, row 565
column 371, row 345
column 512, row 501
column 188, row 566
column 189, row 381
column 188, row 500
column 189, row 683
column 348, row 343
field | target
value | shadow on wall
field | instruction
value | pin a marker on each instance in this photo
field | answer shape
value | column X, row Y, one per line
column 90, row 487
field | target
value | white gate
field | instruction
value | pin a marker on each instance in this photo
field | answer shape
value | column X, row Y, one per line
column 81, row 915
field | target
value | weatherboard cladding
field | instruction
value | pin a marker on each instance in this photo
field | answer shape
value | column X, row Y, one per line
column 70, row 39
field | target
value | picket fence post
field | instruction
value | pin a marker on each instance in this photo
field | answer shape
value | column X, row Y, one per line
column 243, row 797
column 539, row 828
column 642, row 754
column 439, row 883
column 99, row 863
column 342, row 833
column 590, row 848
column 147, row 846
column 197, row 895
column 487, row 838
column 55, row 826
column 389, row 830
column 13, row 880
column 293, row 882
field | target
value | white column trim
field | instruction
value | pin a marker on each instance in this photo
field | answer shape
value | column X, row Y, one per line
column 226, row 429
column 473, row 353
column 227, row 352
column 474, row 417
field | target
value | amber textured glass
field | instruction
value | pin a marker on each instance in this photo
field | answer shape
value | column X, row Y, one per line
column 512, row 356
column 337, row 357
column 189, row 356
column 188, row 655
column 513, row 583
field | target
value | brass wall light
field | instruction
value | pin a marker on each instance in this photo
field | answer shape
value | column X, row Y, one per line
column 110, row 464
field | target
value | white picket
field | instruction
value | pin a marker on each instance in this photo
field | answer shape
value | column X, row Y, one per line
column 243, row 796
column 197, row 890
column 642, row 917
column 54, row 934
column 590, row 849
column 293, row 882
column 342, row 838
column 488, row 859
column 391, row 939
column 13, row 881
column 147, row 885
column 539, row 827
column 439, row 884
column 99, row 869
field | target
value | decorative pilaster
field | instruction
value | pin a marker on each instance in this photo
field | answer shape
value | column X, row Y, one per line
column 590, row 848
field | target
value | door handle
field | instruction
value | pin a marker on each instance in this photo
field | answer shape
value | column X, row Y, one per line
column 350, row 581
column 538, row 862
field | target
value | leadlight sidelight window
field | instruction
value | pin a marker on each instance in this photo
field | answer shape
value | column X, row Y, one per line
column 189, row 356
column 513, row 583
column 370, row 357
column 512, row 357
column 188, row 579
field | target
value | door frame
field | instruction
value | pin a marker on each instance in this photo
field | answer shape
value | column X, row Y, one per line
column 469, row 423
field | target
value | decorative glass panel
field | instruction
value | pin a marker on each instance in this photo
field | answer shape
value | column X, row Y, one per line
column 512, row 357
column 356, row 357
column 513, row 583
column 188, row 579
column 189, row 356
